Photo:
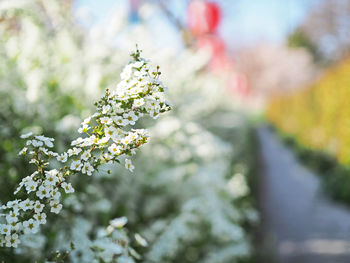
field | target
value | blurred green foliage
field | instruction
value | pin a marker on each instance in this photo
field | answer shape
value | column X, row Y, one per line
column 299, row 39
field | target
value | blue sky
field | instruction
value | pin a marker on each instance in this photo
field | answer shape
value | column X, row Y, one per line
column 244, row 21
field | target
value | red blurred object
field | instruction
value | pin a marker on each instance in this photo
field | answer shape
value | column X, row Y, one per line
column 217, row 48
column 203, row 17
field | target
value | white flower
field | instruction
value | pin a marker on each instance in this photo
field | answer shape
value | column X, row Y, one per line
column 67, row 187
column 31, row 186
column 86, row 121
column 15, row 226
column 92, row 140
column 106, row 120
column 118, row 222
column 12, row 240
column 30, row 226
column 138, row 102
column 38, row 207
column 126, row 140
column 103, row 140
column 120, row 121
column 141, row 240
column 154, row 114
column 55, row 194
column 87, row 168
column 62, row 158
column 133, row 136
column 52, row 153
column 131, row 117
column 114, row 149
column 107, row 156
column 51, row 177
column 106, row 109
column 86, row 155
column 27, row 135
column 74, row 151
column 138, row 64
column 126, row 73
column 128, row 165
column 48, row 141
column 43, row 191
column 76, row 165
column 26, row 204
column 40, row 218
column 55, row 206
column 110, row 131
column 84, row 128
column 37, row 143
column 12, row 217
column 5, row 229
column 77, row 141
column 23, row 151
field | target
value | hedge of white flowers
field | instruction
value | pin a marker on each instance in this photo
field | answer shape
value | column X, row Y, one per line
column 106, row 140
column 187, row 199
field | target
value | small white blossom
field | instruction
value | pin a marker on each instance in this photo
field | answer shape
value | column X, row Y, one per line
column 119, row 222
column 138, row 102
column 76, row 165
column 38, row 207
column 51, row 177
column 68, row 188
column 12, row 240
column 62, row 158
column 120, row 121
column 128, row 165
column 30, row 185
column 48, row 141
column 131, row 117
column 114, row 149
column 87, row 121
column 106, row 120
column 27, row 135
column 86, row 155
column 23, row 151
column 141, row 240
column 87, row 168
column 55, row 206
column 26, row 205
column 110, row 131
column 31, row 226
column 40, row 218
column 84, row 128
column 43, row 191
column 74, row 151
column 12, row 217
column 37, row 143
column 106, row 109
column 5, row 229
column 77, row 141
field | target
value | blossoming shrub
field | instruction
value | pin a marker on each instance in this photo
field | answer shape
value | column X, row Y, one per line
column 107, row 139
column 112, row 212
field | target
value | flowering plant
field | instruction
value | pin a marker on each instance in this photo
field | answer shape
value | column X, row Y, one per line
column 108, row 138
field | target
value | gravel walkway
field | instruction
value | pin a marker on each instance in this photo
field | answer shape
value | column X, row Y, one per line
column 299, row 223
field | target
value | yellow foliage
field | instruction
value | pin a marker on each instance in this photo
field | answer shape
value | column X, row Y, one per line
column 318, row 116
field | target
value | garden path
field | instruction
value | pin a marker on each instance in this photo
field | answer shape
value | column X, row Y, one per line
column 299, row 223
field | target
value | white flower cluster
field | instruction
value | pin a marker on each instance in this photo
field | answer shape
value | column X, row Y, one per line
column 98, row 244
column 108, row 136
